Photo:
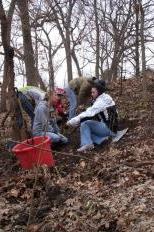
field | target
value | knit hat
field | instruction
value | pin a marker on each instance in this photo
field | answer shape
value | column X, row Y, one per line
column 59, row 91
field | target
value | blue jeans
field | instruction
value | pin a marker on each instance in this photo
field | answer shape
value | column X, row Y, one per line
column 72, row 102
column 92, row 131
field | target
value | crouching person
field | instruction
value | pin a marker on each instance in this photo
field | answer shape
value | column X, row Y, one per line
column 99, row 121
column 44, row 125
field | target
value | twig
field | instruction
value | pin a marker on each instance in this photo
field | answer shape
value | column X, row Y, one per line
column 32, row 198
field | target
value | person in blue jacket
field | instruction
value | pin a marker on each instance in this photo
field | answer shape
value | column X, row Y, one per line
column 44, row 125
column 29, row 97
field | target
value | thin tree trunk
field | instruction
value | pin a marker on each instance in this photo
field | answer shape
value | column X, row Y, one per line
column 143, row 51
column 142, row 40
column 114, row 66
column 97, row 39
column 51, row 70
column 68, row 55
column 76, row 63
column 136, row 7
column 40, row 81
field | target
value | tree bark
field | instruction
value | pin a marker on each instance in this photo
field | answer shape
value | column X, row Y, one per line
column 68, row 58
column 143, row 51
column 142, row 39
column 97, row 39
column 31, row 72
column 41, row 83
column 6, row 34
column 76, row 63
column 136, row 8
column 9, row 69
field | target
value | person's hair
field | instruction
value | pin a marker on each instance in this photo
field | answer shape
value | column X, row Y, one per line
column 46, row 97
column 100, row 86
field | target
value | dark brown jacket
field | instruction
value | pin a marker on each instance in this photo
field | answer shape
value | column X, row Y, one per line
column 82, row 88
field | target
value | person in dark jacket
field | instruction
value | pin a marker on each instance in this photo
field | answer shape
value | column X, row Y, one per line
column 78, row 93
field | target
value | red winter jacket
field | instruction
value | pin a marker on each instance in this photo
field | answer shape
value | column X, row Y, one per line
column 57, row 104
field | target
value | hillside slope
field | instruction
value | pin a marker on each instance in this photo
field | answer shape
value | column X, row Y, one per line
column 107, row 190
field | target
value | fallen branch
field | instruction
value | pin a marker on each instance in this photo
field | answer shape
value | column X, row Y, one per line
column 139, row 164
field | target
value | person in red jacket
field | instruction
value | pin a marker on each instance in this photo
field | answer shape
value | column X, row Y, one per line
column 59, row 103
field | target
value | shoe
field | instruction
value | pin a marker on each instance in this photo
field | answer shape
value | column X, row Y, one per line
column 86, row 148
column 119, row 135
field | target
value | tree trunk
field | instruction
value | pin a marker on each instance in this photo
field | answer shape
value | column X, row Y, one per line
column 97, row 40
column 143, row 51
column 68, row 55
column 76, row 63
column 31, row 72
column 114, row 65
column 9, row 69
column 51, row 70
column 142, row 40
column 4, row 88
column 7, row 25
column 40, row 81
column 136, row 7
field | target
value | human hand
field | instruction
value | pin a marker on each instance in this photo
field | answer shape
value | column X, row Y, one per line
column 74, row 122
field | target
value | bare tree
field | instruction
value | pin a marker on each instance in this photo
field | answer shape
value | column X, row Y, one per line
column 32, row 74
column 51, row 53
column 66, row 22
column 8, row 76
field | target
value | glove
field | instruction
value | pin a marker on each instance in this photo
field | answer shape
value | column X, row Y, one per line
column 73, row 122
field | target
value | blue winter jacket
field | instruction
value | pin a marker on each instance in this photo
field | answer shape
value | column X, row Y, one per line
column 42, row 121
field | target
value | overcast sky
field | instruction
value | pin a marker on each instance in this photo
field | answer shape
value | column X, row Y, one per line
column 61, row 70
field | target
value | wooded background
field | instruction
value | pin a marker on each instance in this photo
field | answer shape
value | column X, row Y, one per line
column 40, row 37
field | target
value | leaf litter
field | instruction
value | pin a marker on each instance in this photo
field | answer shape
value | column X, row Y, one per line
column 111, row 190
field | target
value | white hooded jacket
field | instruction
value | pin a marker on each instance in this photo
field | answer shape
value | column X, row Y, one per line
column 101, row 104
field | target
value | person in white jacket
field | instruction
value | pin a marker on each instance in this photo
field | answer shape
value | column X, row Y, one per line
column 96, row 123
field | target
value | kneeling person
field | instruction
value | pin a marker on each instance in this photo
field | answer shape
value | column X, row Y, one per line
column 45, row 126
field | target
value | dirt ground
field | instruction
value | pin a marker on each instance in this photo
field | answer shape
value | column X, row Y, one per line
column 107, row 190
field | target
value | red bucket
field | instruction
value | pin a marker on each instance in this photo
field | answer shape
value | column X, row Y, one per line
column 30, row 156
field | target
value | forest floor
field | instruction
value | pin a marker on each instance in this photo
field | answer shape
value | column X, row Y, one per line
column 106, row 190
